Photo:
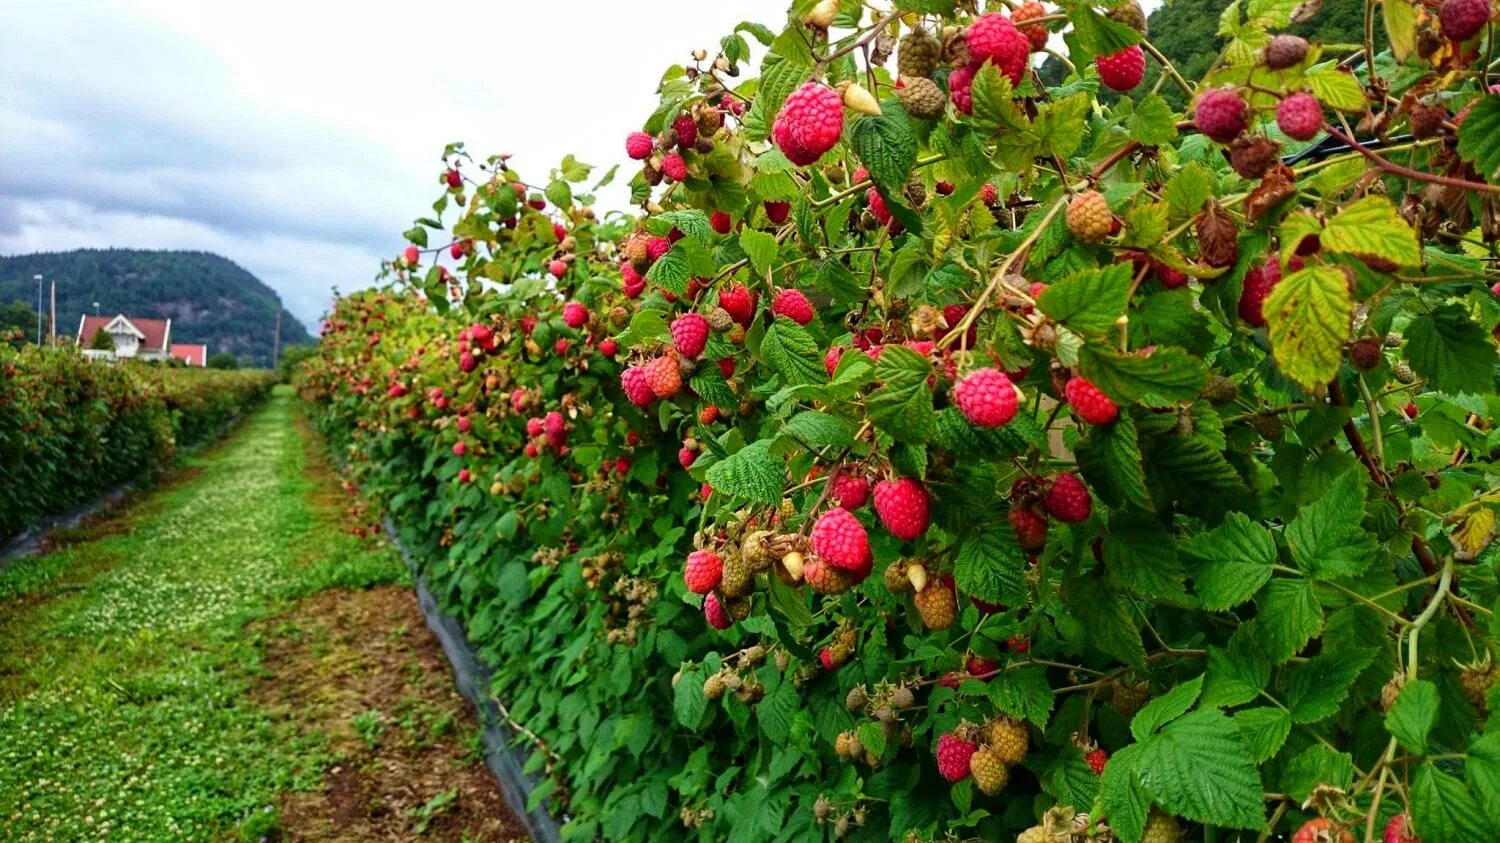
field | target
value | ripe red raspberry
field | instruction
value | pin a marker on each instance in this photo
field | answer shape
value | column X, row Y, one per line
column 690, row 334
column 1124, row 70
column 454, row 178
column 674, row 167
column 1259, row 282
column 1088, row 403
column 1399, row 830
column 1030, row 526
column 961, row 88
column 1097, row 758
column 1169, row 277
column 554, row 424
column 739, row 303
column 989, row 194
column 994, row 38
column 534, row 426
column 776, row 211
column 464, row 476
column 981, row 667
column 810, row 123
column 557, row 268
column 1036, row 34
column 902, row 505
column 686, row 456
column 656, row 247
column 877, row 205
column 793, row 304
column 831, row 359
column 703, row 571
column 953, row 754
column 467, row 362
column 1221, row 115
column 575, row 315
column 637, row 386
column 986, row 397
column 840, row 539
column 459, row 448
column 608, row 348
column 721, row 221
column 412, row 255
column 1068, row 499
column 664, row 377
column 1300, row 116
column 638, row 145
column 686, row 129
column 850, row 490
column 1461, row 20
column 713, row 612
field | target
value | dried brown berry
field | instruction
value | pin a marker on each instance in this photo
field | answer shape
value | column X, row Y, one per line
column 1285, row 50
column 1217, row 236
column 1252, row 155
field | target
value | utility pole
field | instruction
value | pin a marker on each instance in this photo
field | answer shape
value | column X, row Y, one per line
column 38, row 278
column 52, row 326
column 276, row 340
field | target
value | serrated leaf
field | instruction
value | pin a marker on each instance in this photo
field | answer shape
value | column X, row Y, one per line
column 760, row 248
column 1307, row 319
column 1110, row 458
column 1479, row 136
column 1153, row 122
column 1411, row 716
column 1234, row 561
column 1372, row 227
column 693, row 222
column 1288, row 615
column 873, row 737
column 1090, row 302
column 792, row 353
column 709, row 384
column 1400, row 19
column 990, row 565
column 1200, row 768
column 1108, row 619
column 1188, row 189
column 673, row 271
column 1482, row 771
column 1023, row 692
column 1316, row 687
column 1159, row 379
column 1316, row 766
column 902, row 405
column 1068, row 778
column 1265, row 729
column 559, row 193
column 1122, row 798
column 886, row 145
column 774, row 713
column 688, row 703
column 1094, row 34
column 1165, row 708
column 1334, row 87
column 1143, row 557
column 818, row 430
column 1444, row 810
column 1060, row 124
column 1326, row 538
column 1451, row 351
column 752, row 472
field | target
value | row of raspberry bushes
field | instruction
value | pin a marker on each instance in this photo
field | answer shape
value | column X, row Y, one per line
column 72, row 429
column 1172, row 449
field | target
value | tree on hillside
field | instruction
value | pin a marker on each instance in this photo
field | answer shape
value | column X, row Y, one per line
column 17, row 321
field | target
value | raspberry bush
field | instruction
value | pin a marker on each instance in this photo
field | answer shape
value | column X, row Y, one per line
column 1169, row 434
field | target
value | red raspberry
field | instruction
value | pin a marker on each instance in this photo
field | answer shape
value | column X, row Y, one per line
column 533, row 426
column 989, row 194
column 454, row 178
column 1461, row 20
column 656, row 247
column 1300, row 116
column 1221, row 115
column 664, row 377
column 690, row 334
column 686, row 456
column 1068, row 499
column 557, row 268
column 811, row 122
column 1124, row 70
column 638, row 145
column 459, row 448
column 703, row 571
column 986, row 397
column 686, row 129
column 721, row 221
column 637, row 386
column 1088, row 403
column 713, row 612
column 464, row 476
column 739, row 303
column 1399, row 830
column 558, row 231
column 1096, row 759
column 877, row 205
column 1168, row 276
column 953, row 754
column 977, row 666
column 849, row 490
column 776, row 211
column 1018, row 643
column 995, row 39
column 1036, row 33
column 831, row 359
column 575, row 315
column 793, row 304
column 1259, row 282
column 554, row 424
column 840, row 539
column 608, row 348
column 673, row 167
column 467, row 362
column 960, row 89
column 411, row 255
column 902, row 505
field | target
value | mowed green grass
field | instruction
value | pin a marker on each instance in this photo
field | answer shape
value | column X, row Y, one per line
column 125, row 661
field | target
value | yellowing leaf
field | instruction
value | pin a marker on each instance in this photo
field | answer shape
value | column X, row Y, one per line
column 1307, row 317
column 1401, row 26
column 1335, row 88
column 1476, row 531
column 1371, row 227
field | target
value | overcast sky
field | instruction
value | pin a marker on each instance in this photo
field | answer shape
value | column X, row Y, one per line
column 300, row 138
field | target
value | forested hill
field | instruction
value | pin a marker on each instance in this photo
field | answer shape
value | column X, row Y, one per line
column 209, row 298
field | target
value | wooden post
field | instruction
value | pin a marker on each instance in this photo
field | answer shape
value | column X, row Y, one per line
column 52, row 328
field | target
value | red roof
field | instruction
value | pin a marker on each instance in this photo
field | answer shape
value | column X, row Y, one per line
column 155, row 330
column 193, row 355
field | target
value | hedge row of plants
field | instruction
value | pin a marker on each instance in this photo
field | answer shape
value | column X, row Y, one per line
column 944, row 455
column 72, row 429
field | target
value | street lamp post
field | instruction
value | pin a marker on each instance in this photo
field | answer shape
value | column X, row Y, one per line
column 38, row 278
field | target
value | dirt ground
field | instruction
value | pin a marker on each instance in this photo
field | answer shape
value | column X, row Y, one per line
column 362, row 668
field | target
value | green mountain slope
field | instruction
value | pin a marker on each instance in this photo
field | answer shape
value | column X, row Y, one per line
column 209, row 299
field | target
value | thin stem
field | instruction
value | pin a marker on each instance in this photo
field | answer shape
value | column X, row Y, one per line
column 1166, row 65
column 1405, row 172
column 995, row 280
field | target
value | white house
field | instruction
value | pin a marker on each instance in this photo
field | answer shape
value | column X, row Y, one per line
column 134, row 338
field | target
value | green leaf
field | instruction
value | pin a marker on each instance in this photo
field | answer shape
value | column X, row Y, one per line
column 692, row 222
column 1159, row 379
column 1317, row 765
column 673, row 271
column 817, row 430
column 1188, row 189
column 1401, row 30
column 417, row 235
column 1143, row 557
column 1371, row 227
column 688, row 703
column 1122, row 798
column 886, row 145
column 1090, row 302
column 1288, row 615
column 1482, row 770
column 752, row 473
column 1334, row 87
column 775, row 712
column 991, row 566
column 902, row 406
column 1165, row 708
column 1326, row 538
column 873, row 737
column 1023, row 692
column 1110, row 458
column 760, row 248
column 559, row 193
column 1153, row 123
column 1234, row 561
column 1060, row 124
column 1410, row 718
column 995, row 112
column 1451, row 351
column 1068, row 778
column 1265, row 729
column 1200, row 768
column 1316, row 687
column 1479, row 136
column 1094, row 34
column 792, row 353
column 1307, row 318
column 1444, row 810
column 1107, row 618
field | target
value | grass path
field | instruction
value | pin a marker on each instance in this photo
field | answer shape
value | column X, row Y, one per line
column 137, row 698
